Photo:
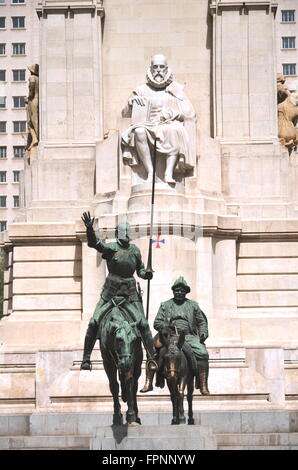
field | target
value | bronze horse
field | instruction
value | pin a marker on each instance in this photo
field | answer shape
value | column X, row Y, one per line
column 122, row 353
column 177, row 373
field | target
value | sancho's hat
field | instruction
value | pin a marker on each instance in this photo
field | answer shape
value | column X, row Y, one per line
column 181, row 282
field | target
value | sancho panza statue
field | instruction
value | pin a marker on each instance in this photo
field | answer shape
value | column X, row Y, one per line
column 160, row 110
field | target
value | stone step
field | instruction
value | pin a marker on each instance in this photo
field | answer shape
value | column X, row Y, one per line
column 257, row 448
column 44, row 442
column 257, row 441
column 84, row 423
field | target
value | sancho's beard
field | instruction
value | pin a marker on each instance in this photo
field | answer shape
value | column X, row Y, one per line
column 162, row 84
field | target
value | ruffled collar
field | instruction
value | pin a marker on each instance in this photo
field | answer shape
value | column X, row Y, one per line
column 160, row 85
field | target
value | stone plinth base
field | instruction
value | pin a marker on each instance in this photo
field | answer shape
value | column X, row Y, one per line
column 161, row 437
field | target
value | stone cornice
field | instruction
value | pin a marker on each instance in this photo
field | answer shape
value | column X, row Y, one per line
column 69, row 6
column 217, row 6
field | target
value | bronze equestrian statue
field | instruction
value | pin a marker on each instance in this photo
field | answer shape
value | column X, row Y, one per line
column 185, row 315
column 119, row 291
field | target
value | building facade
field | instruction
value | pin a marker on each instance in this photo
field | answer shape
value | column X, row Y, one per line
column 287, row 37
column 18, row 49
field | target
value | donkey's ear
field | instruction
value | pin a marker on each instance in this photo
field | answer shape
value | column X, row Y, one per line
column 181, row 339
column 163, row 336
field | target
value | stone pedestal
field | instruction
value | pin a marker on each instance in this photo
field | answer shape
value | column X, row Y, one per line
column 231, row 229
column 161, row 437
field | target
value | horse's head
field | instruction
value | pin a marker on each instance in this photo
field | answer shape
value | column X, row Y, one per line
column 124, row 337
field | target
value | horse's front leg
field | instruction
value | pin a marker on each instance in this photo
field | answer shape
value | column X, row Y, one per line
column 190, row 389
column 111, row 372
column 172, row 386
column 131, row 415
column 181, row 392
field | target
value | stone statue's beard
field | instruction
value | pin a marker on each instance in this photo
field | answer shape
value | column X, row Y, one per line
column 156, row 84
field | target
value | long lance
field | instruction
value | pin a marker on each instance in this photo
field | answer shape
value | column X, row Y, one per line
column 149, row 261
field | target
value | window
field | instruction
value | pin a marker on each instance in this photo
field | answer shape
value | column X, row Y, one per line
column 19, row 75
column 18, row 21
column 2, row 201
column 288, row 16
column 2, row 1
column 3, row 152
column 2, row 102
column 19, row 48
column 289, row 42
column 2, row 49
column 2, row 176
column 289, row 69
column 3, row 225
column 2, row 75
column 16, row 176
column 18, row 151
column 3, row 127
column 18, row 102
column 2, row 21
column 18, row 1
column 16, row 201
column 19, row 126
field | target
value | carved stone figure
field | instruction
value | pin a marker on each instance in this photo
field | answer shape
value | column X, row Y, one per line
column 184, row 315
column 32, row 101
column 282, row 90
column 119, row 291
column 287, row 119
column 160, row 110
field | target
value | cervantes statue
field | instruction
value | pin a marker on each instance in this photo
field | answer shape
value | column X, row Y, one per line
column 160, row 111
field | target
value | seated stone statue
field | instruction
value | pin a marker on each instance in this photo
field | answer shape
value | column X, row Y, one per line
column 160, row 111
column 184, row 315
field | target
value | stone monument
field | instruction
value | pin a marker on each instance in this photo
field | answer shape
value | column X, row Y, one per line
column 225, row 210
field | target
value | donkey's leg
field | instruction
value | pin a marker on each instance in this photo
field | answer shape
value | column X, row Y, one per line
column 182, row 386
column 172, row 386
column 111, row 372
column 190, row 389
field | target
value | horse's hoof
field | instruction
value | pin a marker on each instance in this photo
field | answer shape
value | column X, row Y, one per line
column 191, row 421
column 86, row 365
column 134, row 423
column 174, row 421
column 182, row 421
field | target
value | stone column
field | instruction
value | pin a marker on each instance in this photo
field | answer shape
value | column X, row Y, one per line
column 71, row 97
column 244, row 69
column 255, row 171
column 71, row 122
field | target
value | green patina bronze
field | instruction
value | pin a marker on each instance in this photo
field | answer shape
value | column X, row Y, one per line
column 184, row 315
column 120, row 301
column 122, row 356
